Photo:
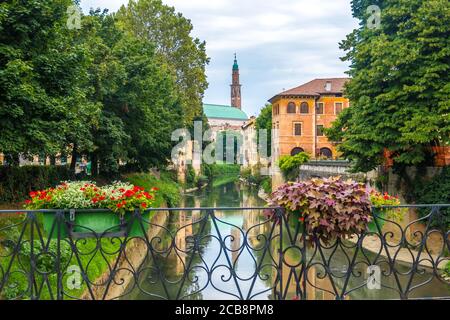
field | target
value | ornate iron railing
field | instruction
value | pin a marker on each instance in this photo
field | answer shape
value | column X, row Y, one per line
column 220, row 253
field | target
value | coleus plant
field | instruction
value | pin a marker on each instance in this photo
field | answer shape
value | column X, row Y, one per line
column 118, row 197
column 329, row 208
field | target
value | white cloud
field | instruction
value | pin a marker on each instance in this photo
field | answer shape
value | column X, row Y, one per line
column 280, row 43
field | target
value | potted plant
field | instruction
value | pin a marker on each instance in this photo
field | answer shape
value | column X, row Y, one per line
column 121, row 199
column 381, row 215
column 328, row 208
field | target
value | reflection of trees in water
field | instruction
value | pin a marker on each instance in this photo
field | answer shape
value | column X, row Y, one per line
column 175, row 258
column 347, row 273
column 263, row 248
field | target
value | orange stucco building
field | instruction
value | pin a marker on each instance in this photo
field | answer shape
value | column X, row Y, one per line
column 300, row 115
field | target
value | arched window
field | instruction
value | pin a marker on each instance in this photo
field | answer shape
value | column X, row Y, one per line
column 304, row 108
column 326, row 152
column 296, row 151
column 291, row 107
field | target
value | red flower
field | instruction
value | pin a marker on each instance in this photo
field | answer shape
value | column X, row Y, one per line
column 155, row 189
column 301, row 219
column 144, row 205
column 27, row 201
column 148, row 195
column 129, row 193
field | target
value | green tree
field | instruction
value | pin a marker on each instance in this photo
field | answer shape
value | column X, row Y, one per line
column 151, row 109
column 264, row 122
column 185, row 56
column 290, row 165
column 140, row 107
column 43, row 104
column 400, row 88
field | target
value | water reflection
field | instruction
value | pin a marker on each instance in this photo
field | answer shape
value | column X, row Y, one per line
column 215, row 256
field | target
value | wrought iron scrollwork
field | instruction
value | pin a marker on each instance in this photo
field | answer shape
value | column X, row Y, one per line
column 253, row 257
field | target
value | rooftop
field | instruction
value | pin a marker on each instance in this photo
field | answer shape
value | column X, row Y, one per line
column 216, row 111
column 316, row 87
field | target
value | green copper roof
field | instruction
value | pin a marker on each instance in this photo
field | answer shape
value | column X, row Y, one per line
column 235, row 65
column 224, row 112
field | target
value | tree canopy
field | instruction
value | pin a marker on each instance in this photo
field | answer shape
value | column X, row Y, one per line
column 184, row 55
column 43, row 101
column 400, row 88
column 103, row 90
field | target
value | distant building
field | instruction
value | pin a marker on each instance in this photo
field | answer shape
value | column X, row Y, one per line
column 300, row 115
column 224, row 117
column 221, row 118
column 250, row 143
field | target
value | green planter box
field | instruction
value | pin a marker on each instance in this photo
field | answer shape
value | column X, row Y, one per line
column 377, row 214
column 92, row 224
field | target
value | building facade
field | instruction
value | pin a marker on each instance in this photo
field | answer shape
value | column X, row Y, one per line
column 301, row 114
column 250, row 144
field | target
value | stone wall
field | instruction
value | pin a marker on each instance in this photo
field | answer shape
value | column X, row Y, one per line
column 331, row 168
column 399, row 186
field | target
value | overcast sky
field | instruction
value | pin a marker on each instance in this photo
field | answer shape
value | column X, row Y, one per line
column 280, row 43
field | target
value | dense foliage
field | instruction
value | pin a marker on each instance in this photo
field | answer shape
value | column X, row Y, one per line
column 400, row 87
column 290, row 165
column 44, row 104
column 224, row 173
column 17, row 182
column 185, row 56
column 435, row 191
column 252, row 176
column 98, row 91
column 169, row 191
column 329, row 208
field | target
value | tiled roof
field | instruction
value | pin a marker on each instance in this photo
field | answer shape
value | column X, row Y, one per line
column 316, row 87
column 215, row 111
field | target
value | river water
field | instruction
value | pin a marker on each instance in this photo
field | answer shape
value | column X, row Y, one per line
column 210, row 278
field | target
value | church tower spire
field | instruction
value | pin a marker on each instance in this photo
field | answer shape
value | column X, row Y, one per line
column 236, row 99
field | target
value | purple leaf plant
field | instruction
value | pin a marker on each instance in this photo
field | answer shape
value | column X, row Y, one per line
column 331, row 208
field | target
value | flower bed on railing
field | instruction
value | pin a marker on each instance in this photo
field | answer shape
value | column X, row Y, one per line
column 118, row 197
column 122, row 199
column 335, row 208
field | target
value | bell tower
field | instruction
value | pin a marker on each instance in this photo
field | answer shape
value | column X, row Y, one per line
column 236, row 100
